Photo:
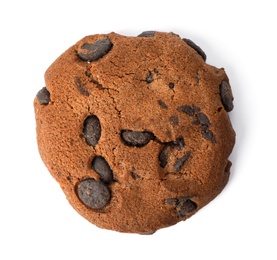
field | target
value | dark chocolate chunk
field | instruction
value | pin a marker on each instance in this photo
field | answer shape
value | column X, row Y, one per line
column 174, row 120
column 186, row 109
column 179, row 143
column 148, row 233
column 95, row 51
column 93, row 194
column 196, row 48
column 203, row 119
column 162, row 104
column 92, row 130
column 147, row 34
column 180, row 162
column 43, row 96
column 208, row 134
column 171, row 85
column 102, row 168
column 171, row 201
column 185, row 206
column 136, row 138
column 149, row 77
column 196, row 109
column 163, row 156
column 182, row 199
column 228, row 167
column 80, row 86
column 226, row 96
column 135, row 176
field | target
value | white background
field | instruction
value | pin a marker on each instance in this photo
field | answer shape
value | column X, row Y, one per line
column 36, row 221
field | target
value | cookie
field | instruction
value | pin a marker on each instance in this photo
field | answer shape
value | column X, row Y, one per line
column 136, row 129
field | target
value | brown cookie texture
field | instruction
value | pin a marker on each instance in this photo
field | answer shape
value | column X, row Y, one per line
column 136, row 129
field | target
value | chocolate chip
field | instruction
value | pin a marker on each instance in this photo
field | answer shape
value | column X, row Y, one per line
column 180, row 162
column 186, row 109
column 93, row 194
column 178, row 144
column 92, row 130
column 171, row 201
column 196, row 48
column 136, row 138
column 171, row 85
column 149, row 77
column 203, row 119
column 135, row 176
column 147, row 34
column 163, row 156
column 95, row 51
column 208, row 134
column 184, row 207
column 226, row 96
column 162, row 104
column 43, row 96
column 80, row 86
column 148, row 233
column 228, row 167
column 174, row 120
column 102, row 168
column 196, row 109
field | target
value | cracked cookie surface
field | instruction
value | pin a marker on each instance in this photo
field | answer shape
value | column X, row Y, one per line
column 136, row 129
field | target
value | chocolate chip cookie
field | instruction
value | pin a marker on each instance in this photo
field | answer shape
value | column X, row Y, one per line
column 136, row 129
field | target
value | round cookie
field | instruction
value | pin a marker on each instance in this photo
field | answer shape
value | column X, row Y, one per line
column 136, row 129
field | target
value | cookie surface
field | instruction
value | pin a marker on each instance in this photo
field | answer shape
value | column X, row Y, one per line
column 136, row 129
